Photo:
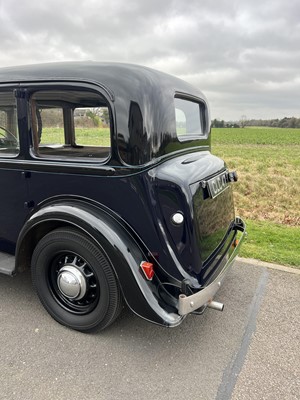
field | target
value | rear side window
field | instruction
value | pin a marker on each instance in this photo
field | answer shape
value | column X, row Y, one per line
column 190, row 118
column 9, row 138
column 70, row 124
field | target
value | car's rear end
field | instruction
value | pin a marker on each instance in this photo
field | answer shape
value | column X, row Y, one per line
column 197, row 224
column 192, row 198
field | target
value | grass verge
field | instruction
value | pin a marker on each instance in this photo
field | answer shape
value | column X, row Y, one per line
column 271, row 242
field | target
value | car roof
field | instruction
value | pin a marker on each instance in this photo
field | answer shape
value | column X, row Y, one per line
column 114, row 76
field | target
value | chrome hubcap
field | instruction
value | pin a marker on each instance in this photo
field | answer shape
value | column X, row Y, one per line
column 71, row 282
column 74, row 283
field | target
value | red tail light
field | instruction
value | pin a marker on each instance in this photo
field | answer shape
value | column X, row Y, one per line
column 148, row 270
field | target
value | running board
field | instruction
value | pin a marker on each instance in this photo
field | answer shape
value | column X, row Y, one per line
column 7, row 264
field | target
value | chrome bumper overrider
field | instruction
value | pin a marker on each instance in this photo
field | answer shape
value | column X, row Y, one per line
column 188, row 304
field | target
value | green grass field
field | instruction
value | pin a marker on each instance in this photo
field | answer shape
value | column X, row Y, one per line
column 267, row 194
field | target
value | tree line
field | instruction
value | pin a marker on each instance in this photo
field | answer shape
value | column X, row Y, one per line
column 286, row 122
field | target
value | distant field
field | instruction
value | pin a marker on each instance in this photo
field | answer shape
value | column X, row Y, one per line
column 268, row 190
column 268, row 165
column 256, row 136
column 85, row 136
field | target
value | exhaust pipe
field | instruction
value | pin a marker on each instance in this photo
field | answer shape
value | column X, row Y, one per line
column 216, row 305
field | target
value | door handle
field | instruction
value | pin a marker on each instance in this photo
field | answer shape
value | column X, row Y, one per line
column 29, row 204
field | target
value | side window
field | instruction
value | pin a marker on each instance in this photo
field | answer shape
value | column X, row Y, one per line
column 9, row 137
column 70, row 124
column 190, row 118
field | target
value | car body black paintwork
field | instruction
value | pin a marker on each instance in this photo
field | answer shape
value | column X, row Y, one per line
column 125, row 203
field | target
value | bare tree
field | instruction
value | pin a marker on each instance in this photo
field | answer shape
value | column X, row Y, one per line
column 243, row 121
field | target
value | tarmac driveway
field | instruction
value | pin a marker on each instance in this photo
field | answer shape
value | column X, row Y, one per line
column 249, row 351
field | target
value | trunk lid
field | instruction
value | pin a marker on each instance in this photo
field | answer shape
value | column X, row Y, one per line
column 213, row 214
column 197, row 186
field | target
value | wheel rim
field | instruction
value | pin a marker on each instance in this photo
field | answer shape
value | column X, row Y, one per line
column 73, row 283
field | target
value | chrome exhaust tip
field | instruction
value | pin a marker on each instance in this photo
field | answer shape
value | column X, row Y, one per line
column 216, row 305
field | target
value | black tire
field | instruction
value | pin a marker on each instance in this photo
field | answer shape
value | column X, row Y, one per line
column 68, row 248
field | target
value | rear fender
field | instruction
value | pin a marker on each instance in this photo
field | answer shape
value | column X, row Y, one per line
column 114, row 238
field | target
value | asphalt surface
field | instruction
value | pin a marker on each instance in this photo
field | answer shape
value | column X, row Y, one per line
column 249, row 351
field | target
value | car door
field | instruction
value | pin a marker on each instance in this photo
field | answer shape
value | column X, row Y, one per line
column 13, row 183
column 70, row 142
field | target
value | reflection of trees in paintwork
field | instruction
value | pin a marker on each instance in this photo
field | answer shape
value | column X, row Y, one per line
column 213, row 217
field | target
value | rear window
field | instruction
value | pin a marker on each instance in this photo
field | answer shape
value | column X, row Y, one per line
column 190, row 118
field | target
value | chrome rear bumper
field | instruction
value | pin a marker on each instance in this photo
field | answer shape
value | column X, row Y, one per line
column 188, row 304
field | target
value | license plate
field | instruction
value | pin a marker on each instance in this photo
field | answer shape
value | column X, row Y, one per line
column 217, row 185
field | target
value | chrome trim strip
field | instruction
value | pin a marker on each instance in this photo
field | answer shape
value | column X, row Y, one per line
column 188, row 304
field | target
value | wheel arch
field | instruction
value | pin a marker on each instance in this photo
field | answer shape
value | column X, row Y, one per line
column 115, row 239
column 30, row 238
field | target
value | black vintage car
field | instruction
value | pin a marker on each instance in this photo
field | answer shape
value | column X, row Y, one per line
column 109, row 192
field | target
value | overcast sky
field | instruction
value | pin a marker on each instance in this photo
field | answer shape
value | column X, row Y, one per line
column 244, row 55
